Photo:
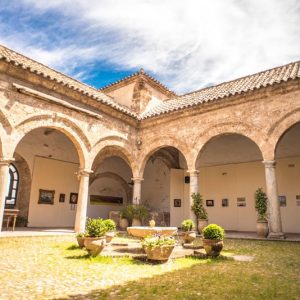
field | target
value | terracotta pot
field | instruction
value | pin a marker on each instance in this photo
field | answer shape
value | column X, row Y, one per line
column 80, row 241
column 262, row 228
column 123, row 223
column 109, row 236
column 158, row 253
column 136, row 222
column 213, row 247
column 201, row 224
column 189, row 236
column 94, row 245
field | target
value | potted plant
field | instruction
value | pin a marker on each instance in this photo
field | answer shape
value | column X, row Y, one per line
column 127, row 213
column 124, row 221
column 199, row 211
column 110, row 227
column 158, row 247
column 189, row 234
column 213, row 236
column 261, row 206
column 140, row 212
column 94, row 240
column 80, row 239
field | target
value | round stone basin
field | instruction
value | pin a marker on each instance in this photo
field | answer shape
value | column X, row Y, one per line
column 143, row 231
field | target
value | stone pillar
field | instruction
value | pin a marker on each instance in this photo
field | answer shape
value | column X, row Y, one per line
column 80, row 220
column 137, row 190
column 194, row 188
column 273, row 205
column 4, row 178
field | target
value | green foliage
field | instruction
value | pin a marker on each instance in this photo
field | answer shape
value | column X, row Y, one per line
column 134, row 211
column 158, row 241
column 95, row 227
column 80, row 234
column 110, row 224
column 261, row 204
column 198, row 207
column 188, row 225
column 213, row 232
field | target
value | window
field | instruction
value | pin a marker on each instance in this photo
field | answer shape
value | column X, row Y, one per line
column 12, row 188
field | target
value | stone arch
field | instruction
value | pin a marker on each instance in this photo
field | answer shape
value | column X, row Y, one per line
column 249, row 131
column 158, row 143
column 4, row 121
column 70, row 129
column 278, row 129
column 116, row 177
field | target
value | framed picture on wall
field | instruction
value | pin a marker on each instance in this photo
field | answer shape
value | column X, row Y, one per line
column 73, row 198
column 210, row 203
column 225, row 202
column 46, row 196
column 62, row 198
column 241, row 202
column 177, row 202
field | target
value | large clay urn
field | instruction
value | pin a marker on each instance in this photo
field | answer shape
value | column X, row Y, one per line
column 201, row 224
column 123, row 223
column 262, row 228
column 136, row 222
column 161, row 253
column 212, row 247
column 94, row 245
column 188, row 236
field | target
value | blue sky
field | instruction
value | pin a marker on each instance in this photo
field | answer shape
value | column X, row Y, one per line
column 187, row 45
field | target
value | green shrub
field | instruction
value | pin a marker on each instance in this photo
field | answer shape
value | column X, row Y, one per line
column 134, row 211
column 95, row 228
column 110, row 224
column 213, row 232
column 188, row 225
column 198, row 207
column 261, row 204
column 80, row 234
column 158, row 241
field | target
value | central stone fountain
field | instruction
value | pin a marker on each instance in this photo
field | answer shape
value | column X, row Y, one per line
column 143, row 231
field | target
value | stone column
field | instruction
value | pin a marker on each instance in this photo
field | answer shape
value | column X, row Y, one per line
column 137, row 190
column 4, row 178
column 80, row 220
column 273, row 205
column 194, row 188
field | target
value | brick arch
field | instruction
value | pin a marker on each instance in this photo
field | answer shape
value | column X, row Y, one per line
column 116, row 177
column 67, row 127
column 249, row 131
column 158, row 143
column 278, row 129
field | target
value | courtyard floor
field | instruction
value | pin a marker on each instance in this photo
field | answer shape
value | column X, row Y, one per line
column 53, row 267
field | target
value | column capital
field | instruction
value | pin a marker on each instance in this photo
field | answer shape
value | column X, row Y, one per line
column 269, row 163
column 5, row 161
column 193, row 172
column 137, row 179
column 84, row 172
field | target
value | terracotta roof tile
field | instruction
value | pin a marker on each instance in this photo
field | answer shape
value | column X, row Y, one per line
column 42, row 70
column 226, row 89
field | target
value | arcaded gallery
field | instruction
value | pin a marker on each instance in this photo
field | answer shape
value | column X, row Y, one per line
column 70, row 151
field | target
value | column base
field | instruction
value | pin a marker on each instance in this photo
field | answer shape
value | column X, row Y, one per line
column 276, row 236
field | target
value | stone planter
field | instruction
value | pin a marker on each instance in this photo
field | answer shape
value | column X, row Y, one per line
column 213, row 247
column 262, row 228
column 188, row 236
column 201, row 224
column 94, row 245
column 109, row 236
column 161, row 253
column 123, row 223
column 136, row 222
column 80, row 241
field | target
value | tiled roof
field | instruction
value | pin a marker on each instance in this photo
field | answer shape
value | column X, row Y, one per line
column 226, row 89
column 26, row 63
column 141, row 72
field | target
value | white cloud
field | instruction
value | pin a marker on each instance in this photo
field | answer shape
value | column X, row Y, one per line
column 187, row 44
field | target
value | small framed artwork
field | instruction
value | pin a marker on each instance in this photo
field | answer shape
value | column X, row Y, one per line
column 225, row 202
column 297, row 200
column 177, row 202
column 46, row 197
column 241, row 202
column 210, row 203
column 62, row 198
column 73, row 198
column 282, row 201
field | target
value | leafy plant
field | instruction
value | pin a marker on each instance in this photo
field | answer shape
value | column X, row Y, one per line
column 158, row 241
column 261, row 204
column 188, row 225
column 95, row 228
column 134, row 211
column 213, row 232
column 198, row 207
column 110, row 224
column 80, row 234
